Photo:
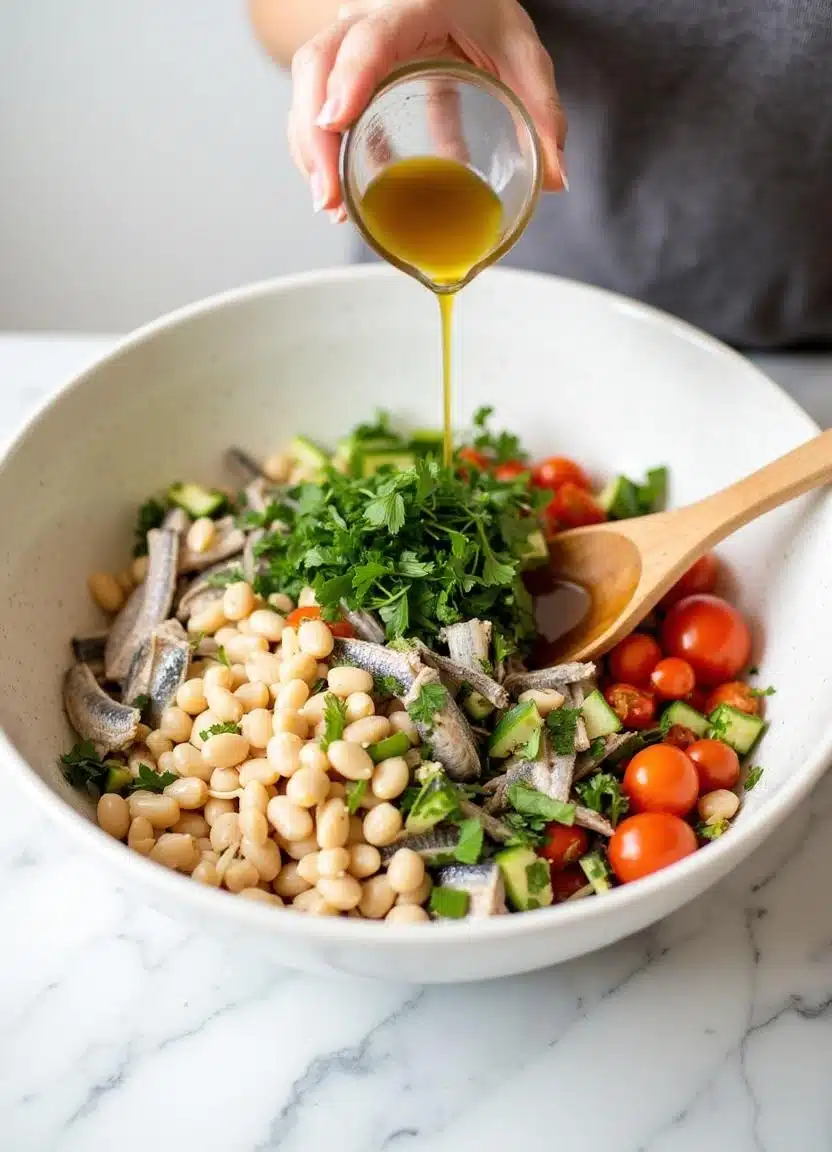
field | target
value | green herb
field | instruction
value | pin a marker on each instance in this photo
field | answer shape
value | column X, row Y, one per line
column 150, row 515
column 275, row 511
column 335, row 720
column 469, row 846
column 318, row 686
column 219, row 729
column 387, row 686
column 501, row 446
column 449, row 903
column 431, row 699
column 222, row 657
column 529, row 802
column 196, row 640
column 755, row 671
column 537, row 876
column 652, row 494
column 666, row 722
column 141, row 701
column 150, row 781
column 759, row 692
column 712, row 830
column 596, row 870
column 718, row 729
column 355, row 793
column 753, row 778
column 563, row 726
column 501, row 649
column 222, row 579
column 602, row 793
column 597, row 748
column 84, row 768
column 409, row 797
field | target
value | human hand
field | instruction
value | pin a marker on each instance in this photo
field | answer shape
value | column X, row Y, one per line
column 335, row 74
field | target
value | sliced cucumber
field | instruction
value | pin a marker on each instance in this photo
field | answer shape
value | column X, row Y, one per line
column 395, row 745
column 117, row 778
column 526, row 877
column 620, row 499
column 535, row 550
column 596, row 871
column 426, row 440
column 197, row 500
column 599, row 718
column 681, row 713
column 736, row 728
column 396, row 458
column 514, row 730
column 305, row 452
column 435, row 802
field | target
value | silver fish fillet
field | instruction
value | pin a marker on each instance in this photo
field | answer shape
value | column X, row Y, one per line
column 594, row 821
column 111, row 727
column 556, row 677
column 454, row 674
column 431, row 845
column 177, row 520
column 365, row 625
column 253, row 565
column 495, row 828
column 90, row 650
column 230, row 541
column 535, row 773
column 201, row 594
column 482, row 882
column 159, row 668
column 404, row 666
column 147, row 606
column 246, row 465
column 449, row 734
column 469, row 642
column 618, row 742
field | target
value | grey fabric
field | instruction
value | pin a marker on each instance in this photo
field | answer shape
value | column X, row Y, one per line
column 700, row 161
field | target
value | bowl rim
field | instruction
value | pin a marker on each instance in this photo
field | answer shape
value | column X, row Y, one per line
column 705, row 867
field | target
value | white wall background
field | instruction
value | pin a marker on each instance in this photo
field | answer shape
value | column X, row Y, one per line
column 142, row 162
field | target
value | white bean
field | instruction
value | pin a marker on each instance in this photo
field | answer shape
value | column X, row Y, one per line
column 224, row 780
column 312, row 755
column 176, row 724
column 189, row 792
column 206, row 873
column 291, row 697
column 225, row 750
column 315, row 639
column 301, row 667
column 350, row 760
column 297, row 849
column 191, row 696
column 158, row 743
column 401, row 722
column 238, row 600
column 333, row 824
column 307, row 598
column 333, row 861
column 313, row 903
column 217, row 676
column 114, row 815
column 390, row 778
column 282, row 603
column 718, row 805
column 258, row 770
column 313, row 709
column 252, row 696
column 224, row 704
column 289, row 645
column 241, row 874
column 187, row 761
column 175, row 850
column 192, row 824
column 308, row 868
column 367, row 730
column 546, row 700
column 382, row 825
column 419, row 895
column 308, row 787
column 260, row 896
column 106, row 591
column 277, row 468
column 214, row 809
column 291, row 821
column 257, row 727
column 377, row 898
column 141, row 835
column 254, row 794
column 201, row 534
column 242, row 649
column 405, row 871
column 406, row 914
column 287, row 721
column 365, row 860
column 264, row 622
column 225, row 832
column 263, row 667
column 341, row 892
column 358, row 706
column 161, row 811
column 283, row 753
column 343, row 680
column 208, row 621
column 289, row 883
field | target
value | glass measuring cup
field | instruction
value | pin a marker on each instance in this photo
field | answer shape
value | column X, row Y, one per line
column 455, row 111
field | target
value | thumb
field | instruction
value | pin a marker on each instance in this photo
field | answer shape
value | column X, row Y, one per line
column 528, row 69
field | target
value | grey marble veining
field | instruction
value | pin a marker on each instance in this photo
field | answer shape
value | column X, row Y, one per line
column 122, row 1030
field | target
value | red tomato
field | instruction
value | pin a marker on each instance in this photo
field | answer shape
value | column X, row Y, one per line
column 646, row 843
column 680, row 737
column 340, row 628
column 737, row 694
column 673, row 679
column 472, row 456
column 634, row 659
column 700, row 577
column 563, row 845
column 710, row 634
column 510, row 471
column 661, row 778
column 566, row 882
column 573, row 507
column 557, row 470
column 717, row 764
column 634, row 707
column 698, row 699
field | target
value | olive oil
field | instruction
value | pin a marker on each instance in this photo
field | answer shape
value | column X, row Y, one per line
column 442, row 219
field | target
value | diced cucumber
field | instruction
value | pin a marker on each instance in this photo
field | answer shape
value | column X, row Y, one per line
column 436, row 801
column 395, row 745
column 515, row 729
column 449, row 903
column 535, row 550
column 681, row 713
column 307, row 453
column 477, row 706
column 654, row 491
column 526, row 877
column 117, row 778
column 599, row 718
column 620, row 499
column 197, row 500
column 736, row 728
column 396, row 458
column 425, row 441
column 596, row 871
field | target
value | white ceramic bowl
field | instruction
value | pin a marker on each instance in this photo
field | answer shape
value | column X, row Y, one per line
column 572, row 370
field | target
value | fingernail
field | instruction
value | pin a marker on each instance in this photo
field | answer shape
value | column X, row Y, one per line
column 329, row 114
column 337, row 215
column 316, row 182
column 562, row 169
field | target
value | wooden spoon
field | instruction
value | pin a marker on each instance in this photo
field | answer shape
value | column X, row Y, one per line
column 626, row 566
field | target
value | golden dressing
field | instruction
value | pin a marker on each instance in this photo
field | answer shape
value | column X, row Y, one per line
column 442, row 219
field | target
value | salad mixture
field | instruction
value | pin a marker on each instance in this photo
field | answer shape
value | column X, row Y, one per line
column 318, row 691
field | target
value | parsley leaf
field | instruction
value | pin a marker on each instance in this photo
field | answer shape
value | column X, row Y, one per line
column 387, row 510
column 529, row 802
column 84, row 768
column 537, row 876
column 431, row 699
column 222, row 657
column 469, row 845
column 335, row 720
column 232, row 575
column 753, row 778
column 219, row 729
column 711, row 830
column 760, row 692
column 150, row 515
column 387, row 686
column 141, row 701
column 150, row 781
column 563, row 726
column 502, row 446
column 597, row 748
column 602, row 793
column 355, row 792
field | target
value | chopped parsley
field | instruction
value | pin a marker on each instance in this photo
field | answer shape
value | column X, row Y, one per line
column 83, row 768
column 141, row 701
column 469, row 845
column 563, row 726
column 711, row 829
column 150, row 781
column 222, row 657
column 355, row 793
column 387, row 686
column 431, row 699
column 760, row 692
column 537, row 876
column 335, row 720
column 150, row 515
column 602, row 793
column 449, row 903
column 753, row 778
column 597, row 748
column 219, row 730
column 232, row 575
column 501, row 446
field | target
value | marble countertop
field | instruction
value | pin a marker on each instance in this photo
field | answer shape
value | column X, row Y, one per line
column 125, row 1031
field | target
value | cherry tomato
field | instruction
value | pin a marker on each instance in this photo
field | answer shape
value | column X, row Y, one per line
column 557, row 470
column 634, row 659
column 646, row 843
column 698, row 699
column 566, row 882
column 634, row 707
column 563, row 845
column 673, row 679
column 573, row 507
column 680, row 736
column 341, row 628
column 700, row 577
column 661, row 778
column 472, row 456
column 710, row 634
column 717, row 764
column 737, row 694
column 510, row 470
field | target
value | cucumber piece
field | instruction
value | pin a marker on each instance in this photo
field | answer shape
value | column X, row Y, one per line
column 654, row 492
column 305, row 452
column 117, row 778
column 681, row 713
column 197, row 500
column 514, row 730
column 535, row 550
column 620, row 499
column 396, row 458
column 477, row 707
column 449, row 903
column 736, row 728
column 526, row 877
column 426, row 440
column 599, row 718
column 395, row 745
column 596, row 871
column 436, row 801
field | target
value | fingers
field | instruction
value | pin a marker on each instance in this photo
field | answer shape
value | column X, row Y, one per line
column 444, row 114
column 530, row 72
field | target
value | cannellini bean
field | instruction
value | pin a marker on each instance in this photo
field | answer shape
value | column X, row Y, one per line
column 297, row 849
column 301, row 667
column 308, row 868
column 405, row 871
column 254, row 826
column 401, row 722
column 358, row 706
column 406, row 914
column 289, row 883
column 257, row 727
column 253, row 696
column 263, row 667
column 264, row 622
column 718, row 805
column 292, row 696
column 312, row 755
column 254, row 794
column 238, row 600
column 314, row 708
column 419, row 895
column 201, row 535
column 106, row 591
column 377, row 898
column 365, row 860
column 224, row 704
column 139, row 755
column 313, row 903
column 390, row 778
column 187, row 761
column 191, row 696
column 546, row 700
column 291, row 722
column 161, row 811
column 165, row 763
column 175, row 850
column 367, row 730
column 241, row 649
column 224, row 780
column 189, row 792
column 225, row 831
column 240, row 874
column 217, row 676
column 315, row 639
column 244, row 628
column 202, row 723
column 308, row 787
column 283, row 753
column 341, row 892
column 206, row 873
column 258, row 771
column 192, row 824
column 138, row 569
column 382, row 825
column 226, row 633
column 291, row 821
column 333, row 824
column 208, row 621
column 350, row 760
column 124, row 579
column 206, row 852
column 333, row 862
column 289, row 645
column 343, row 680
column 356, row 831
column 176, row 724
column 142, row 733
column 114, row 815
column 141, row 835
column 158, row 743
column 225, row 750
column 282, row 603
column 277, row 467
column 260, row 896
column 238, row 676
column 307, row 597
column 216, row 808
column 370, row 800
